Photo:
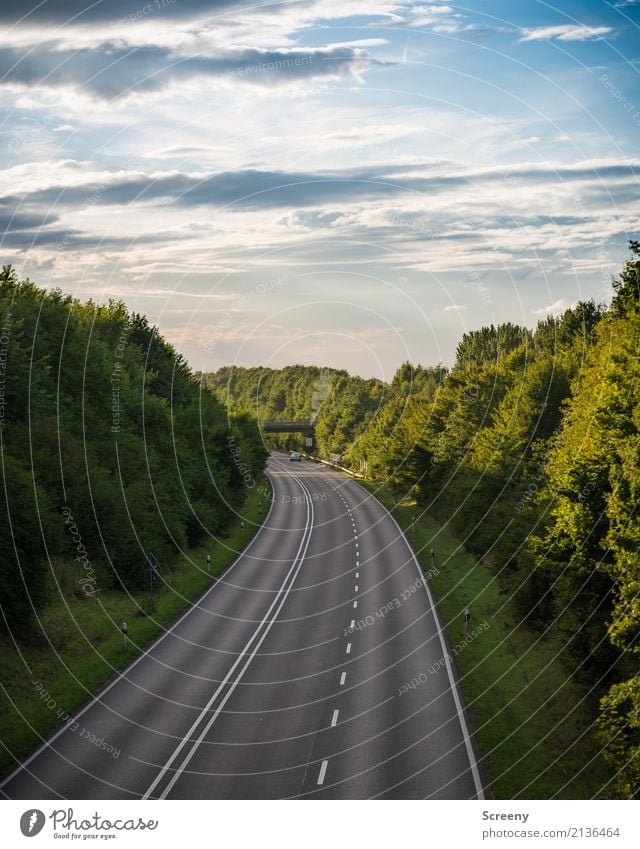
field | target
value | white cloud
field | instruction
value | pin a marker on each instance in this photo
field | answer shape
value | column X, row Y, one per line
column 565, row 32
column 556, row 308
column 435, row 190
column 436, row 17
column 192, row 27
column 426, row 15
column 178, row 152
column 111, row 72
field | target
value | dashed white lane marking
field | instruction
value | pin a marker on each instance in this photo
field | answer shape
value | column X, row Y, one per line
column 348, row 648
column 357, row 545
column 343, row 678
column 355, row 603
column 357, row 562
column 323, row 772
column 334, row 718
column 355, row 536
column 357, row 574
column 356, row 589
column 353, row 623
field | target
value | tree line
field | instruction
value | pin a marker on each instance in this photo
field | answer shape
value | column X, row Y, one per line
column 528, row 447
column 111, row 448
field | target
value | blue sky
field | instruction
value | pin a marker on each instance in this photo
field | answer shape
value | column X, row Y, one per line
column 346, row 183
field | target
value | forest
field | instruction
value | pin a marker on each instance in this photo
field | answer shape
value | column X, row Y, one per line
column 111, row 448
column 527, row 447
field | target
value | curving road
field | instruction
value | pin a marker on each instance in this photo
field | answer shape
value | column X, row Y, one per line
column 291, row 677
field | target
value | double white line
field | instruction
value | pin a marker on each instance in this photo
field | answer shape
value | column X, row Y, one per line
column 247, row 654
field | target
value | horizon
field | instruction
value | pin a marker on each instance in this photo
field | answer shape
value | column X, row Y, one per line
column 357, row 186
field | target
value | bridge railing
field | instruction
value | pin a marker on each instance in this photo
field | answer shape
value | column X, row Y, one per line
column 287, row 426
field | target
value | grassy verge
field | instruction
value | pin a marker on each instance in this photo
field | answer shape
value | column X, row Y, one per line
column 533, row 724
column 43, row 682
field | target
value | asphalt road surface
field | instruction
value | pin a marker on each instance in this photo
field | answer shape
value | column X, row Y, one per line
column 290, row 678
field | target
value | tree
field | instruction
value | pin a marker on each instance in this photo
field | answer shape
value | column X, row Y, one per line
column 627, row 287
column 104, row 421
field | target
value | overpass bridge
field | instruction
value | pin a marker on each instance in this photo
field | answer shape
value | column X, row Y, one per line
column 306, row 426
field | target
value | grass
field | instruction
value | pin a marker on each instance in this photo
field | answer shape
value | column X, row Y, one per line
column 84, row 648
column 533, row 723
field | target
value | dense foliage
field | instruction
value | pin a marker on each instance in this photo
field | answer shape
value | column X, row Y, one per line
column 344, row 408
column 529, row 449
column 111, row 448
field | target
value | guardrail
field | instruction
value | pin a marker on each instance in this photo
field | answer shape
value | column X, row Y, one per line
column 334, row 465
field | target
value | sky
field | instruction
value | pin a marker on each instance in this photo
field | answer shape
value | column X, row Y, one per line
column 349, row 184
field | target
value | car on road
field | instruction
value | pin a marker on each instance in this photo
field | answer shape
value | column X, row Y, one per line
column 296, row 457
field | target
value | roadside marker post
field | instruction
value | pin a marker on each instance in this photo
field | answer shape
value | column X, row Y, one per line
column 467, row 617
column 125, row 635
column 208, row 564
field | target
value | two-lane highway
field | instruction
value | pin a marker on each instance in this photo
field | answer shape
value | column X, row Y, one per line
column 289, row 678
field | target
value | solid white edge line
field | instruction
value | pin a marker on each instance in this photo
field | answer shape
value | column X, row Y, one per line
column 120, row 675
column 475, row 772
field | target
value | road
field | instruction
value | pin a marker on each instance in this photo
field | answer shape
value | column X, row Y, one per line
column 290, row 678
